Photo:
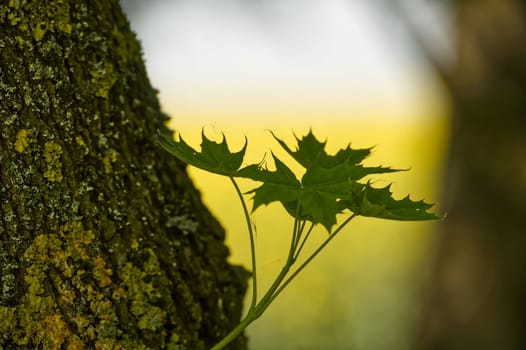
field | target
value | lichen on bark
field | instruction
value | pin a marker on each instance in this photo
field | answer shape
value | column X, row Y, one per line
column 104, row 242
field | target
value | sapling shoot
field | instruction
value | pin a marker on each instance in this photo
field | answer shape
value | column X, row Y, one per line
column 332, row 184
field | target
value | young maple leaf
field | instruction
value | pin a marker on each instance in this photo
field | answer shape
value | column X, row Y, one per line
column 310, row 153
column 315, row 204
column 330, row 182
column 366, row 200
column 280, row 185
column 325, row 180
column 214, row 157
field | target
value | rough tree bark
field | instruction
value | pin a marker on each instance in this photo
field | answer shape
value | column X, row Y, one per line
column 478, row 290
column 104, row 242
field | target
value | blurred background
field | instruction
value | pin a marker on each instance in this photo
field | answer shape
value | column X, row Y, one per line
column 435, row 86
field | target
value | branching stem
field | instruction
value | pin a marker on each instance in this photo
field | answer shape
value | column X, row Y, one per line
column 298, row 251
column 281, row 280
column 311, row 257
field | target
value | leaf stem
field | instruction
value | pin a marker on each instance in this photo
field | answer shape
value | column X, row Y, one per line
column 298, row 251
column 278, row 285
column 293, row 242
column 296, row 233
column 251, row 317
column 254, row 313
column 252, row 244
column 312, row 256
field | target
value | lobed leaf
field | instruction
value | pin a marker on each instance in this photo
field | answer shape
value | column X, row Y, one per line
column 214, row 157
column 280, row 185
column 309, row 149
column 310, row 152
column 366, row 200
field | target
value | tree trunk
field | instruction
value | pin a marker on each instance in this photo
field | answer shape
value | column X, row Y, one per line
column 104, row 242
column 478, row 290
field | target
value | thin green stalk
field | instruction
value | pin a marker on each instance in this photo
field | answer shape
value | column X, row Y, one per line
column 298, row 251
column 257, row 308
column 251, row 317
column 267, row 298
column 294, row 250
column 303, row 223
column 295, row 237
column 252, row 244
column 312, row 256
column 292, row 241
column 254, row 313
column 299, row 231
column 276, row 288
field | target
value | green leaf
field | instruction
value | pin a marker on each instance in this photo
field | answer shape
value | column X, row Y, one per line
column 310, row 152
column 214, row 157
column 321, row 207
column 317, row 197
column 280, row 185
column 379, row 203
column 327, row 185
column 309, row 149
column 327, row 178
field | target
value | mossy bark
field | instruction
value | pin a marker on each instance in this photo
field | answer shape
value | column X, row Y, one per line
column 104, row 242
column 477, row 296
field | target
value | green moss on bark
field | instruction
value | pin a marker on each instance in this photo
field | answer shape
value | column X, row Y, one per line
column 23, row 140
column 52, row 152
column 66, row 269
column 50, row 16
column 55, row 281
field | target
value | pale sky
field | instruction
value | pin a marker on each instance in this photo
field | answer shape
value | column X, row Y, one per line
column 331, row 50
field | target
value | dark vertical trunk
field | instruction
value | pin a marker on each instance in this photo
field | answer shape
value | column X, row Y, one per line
column 104, row 242
column 478, row 290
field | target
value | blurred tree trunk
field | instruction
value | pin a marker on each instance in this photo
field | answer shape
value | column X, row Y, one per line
column 477, row 296
column 104, row 242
